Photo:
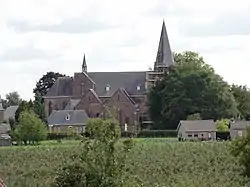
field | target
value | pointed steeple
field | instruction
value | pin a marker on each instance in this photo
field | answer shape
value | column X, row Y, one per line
column 84, row 64
column 164, row 56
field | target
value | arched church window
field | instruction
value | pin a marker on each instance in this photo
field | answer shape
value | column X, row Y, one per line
column 50, row 107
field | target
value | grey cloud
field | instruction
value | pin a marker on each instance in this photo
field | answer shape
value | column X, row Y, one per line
column 225, row 25
column 76, row 25
column 162, row 9
column 26, row 53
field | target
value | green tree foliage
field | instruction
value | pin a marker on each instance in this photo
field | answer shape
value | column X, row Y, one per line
column 4, row 103
column 13, row 99
column 189, row 87
column 242, row 96
column 103, row 130
column 30, row 128
column 39, row 109
column 223, row 125
column 196, row 116
column 241, row 149
column 102, row 162
column 23, row 106
column 45, row 83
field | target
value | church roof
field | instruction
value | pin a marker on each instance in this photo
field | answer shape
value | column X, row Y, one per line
column 68, row 117
column 62, row 87
column 10, row 112
column 164, row 56
column 116, row 80
column 72, row 104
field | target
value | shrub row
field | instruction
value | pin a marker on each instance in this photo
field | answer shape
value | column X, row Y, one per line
column 141, row 134
column 151, row 134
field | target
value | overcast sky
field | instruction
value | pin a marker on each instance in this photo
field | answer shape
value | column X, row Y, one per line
column 37, row 36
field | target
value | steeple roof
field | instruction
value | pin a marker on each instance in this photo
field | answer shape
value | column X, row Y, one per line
column 84, row 64
column 164, row 56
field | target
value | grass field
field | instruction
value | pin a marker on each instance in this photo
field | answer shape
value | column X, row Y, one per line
column 158, row 162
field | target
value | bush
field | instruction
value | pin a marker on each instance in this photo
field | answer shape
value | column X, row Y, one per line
column 101, row 162
column 157, row 134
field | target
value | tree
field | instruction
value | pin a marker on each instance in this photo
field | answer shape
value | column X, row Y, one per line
column 222, row 125
column 196, row 116
column 4, row 103
column 241, row 149
column 30, row 128
column 242, row 96
column 13, row 98
column 23, row 106
column 38, row 108
column 45, row 83
column 102, row 163
column 190, row 87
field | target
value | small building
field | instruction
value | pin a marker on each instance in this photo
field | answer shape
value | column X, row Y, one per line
column 63, row 121
column 238, row 128
column 197, row 130
column 5, row 139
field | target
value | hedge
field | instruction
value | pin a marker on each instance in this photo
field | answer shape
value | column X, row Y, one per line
column 141, row 134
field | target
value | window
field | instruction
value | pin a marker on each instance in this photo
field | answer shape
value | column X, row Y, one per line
column 195, row 135
column 209, row 135
column 138, row 88
column 107, row 87
column 68, row 117
column 118, row 97
column 189, row 135
column 239, row 133
column 50, row 107
column 97, row 115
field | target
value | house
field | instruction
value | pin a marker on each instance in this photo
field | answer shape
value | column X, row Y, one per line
column 125, row 93
column 238, row 128
column 5, row 139
column 197, row 129
column 63, row 121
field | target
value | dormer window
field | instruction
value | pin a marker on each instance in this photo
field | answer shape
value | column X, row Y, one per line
column 138, row 87
column 107, row 88
column 68, row 117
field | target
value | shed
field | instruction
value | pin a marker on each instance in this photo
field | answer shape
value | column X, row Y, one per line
column 238, row 128
column 197, row 129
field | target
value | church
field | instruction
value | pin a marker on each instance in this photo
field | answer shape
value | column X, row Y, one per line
column 92, row 94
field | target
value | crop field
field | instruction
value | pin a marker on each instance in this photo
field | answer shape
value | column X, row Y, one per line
column 153, row 163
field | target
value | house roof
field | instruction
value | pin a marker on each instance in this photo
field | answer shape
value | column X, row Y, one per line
column 75, row 117
column 116, row 80
column 72, row 104
column 198, row 125
column 62, row 87
column 10, row 112
column 240, row 125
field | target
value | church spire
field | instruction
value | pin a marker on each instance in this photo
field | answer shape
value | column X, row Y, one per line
column 84, row 65
column 164, row 56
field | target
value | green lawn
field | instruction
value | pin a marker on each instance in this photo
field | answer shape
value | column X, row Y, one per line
column 162, row 162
